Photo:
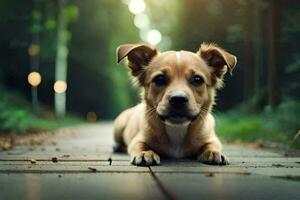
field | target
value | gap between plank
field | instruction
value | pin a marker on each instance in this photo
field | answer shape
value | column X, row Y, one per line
column 166, row 191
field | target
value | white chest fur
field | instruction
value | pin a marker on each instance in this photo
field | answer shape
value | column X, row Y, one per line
column 176, row 135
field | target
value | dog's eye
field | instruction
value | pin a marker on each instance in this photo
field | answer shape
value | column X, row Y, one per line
column 197, row 80
column 160, row 80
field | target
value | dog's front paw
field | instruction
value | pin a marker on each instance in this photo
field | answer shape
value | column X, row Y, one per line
column 213, row 158
column 145, row 158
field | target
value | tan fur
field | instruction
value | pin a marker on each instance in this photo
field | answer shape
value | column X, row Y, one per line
column 140, row 128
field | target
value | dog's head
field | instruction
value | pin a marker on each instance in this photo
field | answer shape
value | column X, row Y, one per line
column 179, row 85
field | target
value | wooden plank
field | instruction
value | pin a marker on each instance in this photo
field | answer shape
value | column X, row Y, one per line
column 48, row 150
column 238, row 151
column 267, row 171
column 254, row 162
column 199, row 170
column 228, row 186
column 230, row 151
column 61, row 156
column 265, row 160
column 50, row 163
column 79, row 186
column 276, row 172
column 120, row 156
column 66, row 167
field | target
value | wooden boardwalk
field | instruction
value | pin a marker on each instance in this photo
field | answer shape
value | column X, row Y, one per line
column 78, row 163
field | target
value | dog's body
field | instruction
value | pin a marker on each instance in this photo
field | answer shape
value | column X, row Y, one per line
column 177, row 141
column 174, row 117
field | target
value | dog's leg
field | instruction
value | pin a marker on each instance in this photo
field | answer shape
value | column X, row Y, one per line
column 119, row 127
column 211, row 154
column 142, row 155
column 119, row 145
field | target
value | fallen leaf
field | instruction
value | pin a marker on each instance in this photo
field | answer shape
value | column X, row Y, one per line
column 33, row 161
column 13, row 139
column 6, row 146
column 92, row 169
column 277, row 165
column 9, row 142
column 210, row 174
column 54, row 159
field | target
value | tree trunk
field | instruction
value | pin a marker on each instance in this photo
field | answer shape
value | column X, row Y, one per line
column 34, row 52
column 61, row 59
column 273, row 85
column 258, row 58
column 249, row 68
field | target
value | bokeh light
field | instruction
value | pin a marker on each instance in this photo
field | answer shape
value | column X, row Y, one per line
column 60, row 87
column 34, row 79
column 48, row 115
column 143, row 34
column 33, row 50
column 154, row 37
column 126, row 2
column 141, row 21
column 91, row 117
column 137, row 6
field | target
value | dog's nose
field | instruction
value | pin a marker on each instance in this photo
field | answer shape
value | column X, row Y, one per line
column 178, row 99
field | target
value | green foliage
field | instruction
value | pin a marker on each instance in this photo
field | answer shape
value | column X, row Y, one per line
column 104, row 86
column 291, row 23
column 16, row 117
column 36, row 19
column 50, row 24
column 234, row 33
column 71, row 13
column 294, row 66
column 36, row 15
column 279, row 125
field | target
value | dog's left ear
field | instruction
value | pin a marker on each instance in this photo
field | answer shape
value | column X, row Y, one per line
column 217, row 58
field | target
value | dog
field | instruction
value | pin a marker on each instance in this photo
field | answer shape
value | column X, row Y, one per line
column 174, row 118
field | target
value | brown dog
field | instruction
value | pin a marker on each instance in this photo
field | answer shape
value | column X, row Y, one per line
column 174, row 117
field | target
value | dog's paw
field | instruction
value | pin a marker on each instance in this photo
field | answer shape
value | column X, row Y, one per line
column 213, row 158
column 145, row 158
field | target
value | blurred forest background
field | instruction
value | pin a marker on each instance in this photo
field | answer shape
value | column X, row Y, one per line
column 57, row 61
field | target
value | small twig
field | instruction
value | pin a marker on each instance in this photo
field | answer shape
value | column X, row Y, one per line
column 296, row 136
column 92, row 169
column 33, row 161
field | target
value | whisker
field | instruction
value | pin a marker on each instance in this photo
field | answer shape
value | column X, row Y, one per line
column 151, row 112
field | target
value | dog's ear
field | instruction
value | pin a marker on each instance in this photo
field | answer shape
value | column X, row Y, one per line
column 217, row 58
column 138, row 55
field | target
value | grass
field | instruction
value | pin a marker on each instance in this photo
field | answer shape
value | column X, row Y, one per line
column 17, row 117
column 278, row 125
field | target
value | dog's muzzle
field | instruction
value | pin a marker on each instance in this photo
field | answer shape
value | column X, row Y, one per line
column 176, row 117
column 177, row 112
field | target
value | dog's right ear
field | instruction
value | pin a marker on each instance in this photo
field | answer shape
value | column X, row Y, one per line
column 139, row 56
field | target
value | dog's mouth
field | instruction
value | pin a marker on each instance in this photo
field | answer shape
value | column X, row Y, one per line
column 178, row 118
